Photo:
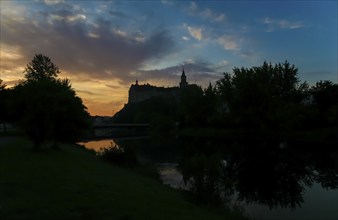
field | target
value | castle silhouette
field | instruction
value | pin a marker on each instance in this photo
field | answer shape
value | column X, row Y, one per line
column 139, row 93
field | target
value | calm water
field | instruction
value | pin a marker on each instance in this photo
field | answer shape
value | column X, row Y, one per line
column 263, row 179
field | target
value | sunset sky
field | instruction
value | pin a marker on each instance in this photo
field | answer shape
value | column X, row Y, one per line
column 104, row 46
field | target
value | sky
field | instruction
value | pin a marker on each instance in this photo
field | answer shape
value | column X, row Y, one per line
column 103, row 47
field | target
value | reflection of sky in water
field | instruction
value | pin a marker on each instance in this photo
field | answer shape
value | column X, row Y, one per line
column 318, row 204
column 171, row 176
column 96, row 145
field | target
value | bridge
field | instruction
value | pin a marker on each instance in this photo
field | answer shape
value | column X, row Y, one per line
column 120, row 130
column 126, row 125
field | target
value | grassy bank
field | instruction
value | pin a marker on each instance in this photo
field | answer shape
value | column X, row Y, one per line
column 74, row 184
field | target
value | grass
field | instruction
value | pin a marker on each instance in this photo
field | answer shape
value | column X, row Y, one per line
column 74, row 184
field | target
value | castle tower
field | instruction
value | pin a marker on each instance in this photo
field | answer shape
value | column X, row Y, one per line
column 183, row 82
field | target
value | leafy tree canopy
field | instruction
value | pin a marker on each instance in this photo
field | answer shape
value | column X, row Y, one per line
column 48, row 107
column 2, row 85
column 258, row 96
column 41, row 67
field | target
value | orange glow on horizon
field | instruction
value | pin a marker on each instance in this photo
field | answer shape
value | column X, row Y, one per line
column 102, row 109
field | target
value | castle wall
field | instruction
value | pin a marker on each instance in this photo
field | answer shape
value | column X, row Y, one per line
column 139, row 94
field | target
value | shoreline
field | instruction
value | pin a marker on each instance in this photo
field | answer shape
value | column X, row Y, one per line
column 324, row 135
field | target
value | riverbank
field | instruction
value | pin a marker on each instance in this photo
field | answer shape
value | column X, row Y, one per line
column 73, row 183
column 322, row 135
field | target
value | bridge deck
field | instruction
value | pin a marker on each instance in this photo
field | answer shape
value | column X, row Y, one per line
column 121, row 125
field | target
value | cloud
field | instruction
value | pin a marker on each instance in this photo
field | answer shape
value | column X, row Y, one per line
column 66, row 16
column 82, row 45
column 223, row 63
column 267, row 20
column 53, row 2
column 85, row 92
column 118, row 14
column 222, row 66
column 185, row 38
column 204, row 13
column 219, row 18
column 290, row 25
column 229, row 42
column 165, row 2
column 195, row 32
column 114, row 86
column 193, row 7
column 281, row 24
column 199, row 72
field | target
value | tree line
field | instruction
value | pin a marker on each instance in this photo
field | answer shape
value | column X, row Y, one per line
column 267, row 97
column 262, row 97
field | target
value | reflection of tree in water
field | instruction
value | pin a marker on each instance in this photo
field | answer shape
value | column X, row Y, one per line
column 267, row 173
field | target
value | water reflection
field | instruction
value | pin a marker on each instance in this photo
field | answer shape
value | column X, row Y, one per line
column 96, row 145
column 258, row 172
column 247, row 173
column 171, row 176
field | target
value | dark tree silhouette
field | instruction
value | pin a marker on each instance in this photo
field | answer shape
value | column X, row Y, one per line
column 41, row 67
column 264, row 96
column 210, row 107
column 49, row 107
column 3, row 104
column 325, row 94
column 2, row 85
column 191, row 106
column 70, row 117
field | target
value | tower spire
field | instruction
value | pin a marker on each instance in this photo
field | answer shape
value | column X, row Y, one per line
column 183, row 82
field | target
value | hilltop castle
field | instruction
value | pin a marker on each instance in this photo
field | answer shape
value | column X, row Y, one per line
column 139, row 93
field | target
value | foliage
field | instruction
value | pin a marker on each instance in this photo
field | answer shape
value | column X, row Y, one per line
column 2, row 85
column 191, row 106
column 3, row 100
column 48, row 108
column 325, row 94
column 41, row 67
column 211, row 109
column 119, row 156
column 7, row 107
column 260, row 97
column 270, row 96
column 3, row 105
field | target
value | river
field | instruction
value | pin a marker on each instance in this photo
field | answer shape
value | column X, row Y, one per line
column 266, row 180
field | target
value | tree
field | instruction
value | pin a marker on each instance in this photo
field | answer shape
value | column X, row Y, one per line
column 191, row 106
column 68, row 115
column 49, row 107
column 3, row 104
column 2, row 85
column 325, row 94
column 210, row 105
column 41, row 67
column 261, row 97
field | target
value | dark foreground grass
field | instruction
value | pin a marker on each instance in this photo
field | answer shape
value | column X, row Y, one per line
column 72, row 183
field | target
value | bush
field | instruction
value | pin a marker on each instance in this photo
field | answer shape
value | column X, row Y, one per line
column 119, row 156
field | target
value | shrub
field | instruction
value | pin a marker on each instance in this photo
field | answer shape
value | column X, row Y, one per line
column 119, row 156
